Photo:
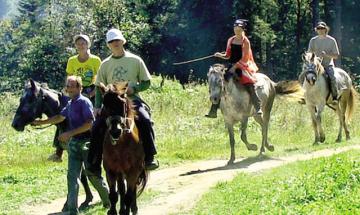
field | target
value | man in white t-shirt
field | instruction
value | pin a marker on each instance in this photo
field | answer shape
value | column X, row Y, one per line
column 122, row 65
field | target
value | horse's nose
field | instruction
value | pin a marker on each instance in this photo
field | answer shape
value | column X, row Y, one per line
column 17, row 126
column 115, row 133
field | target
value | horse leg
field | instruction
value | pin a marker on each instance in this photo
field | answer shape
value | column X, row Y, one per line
column 232, row 143
column 265, row 131
column 113, row 196
column 121, row 190
column 260, row 120
column 244, row 124
column 133, row 189
column 314, row 124
column 130, row 196
column 341, row 114
column 319, row 126
column 85, row 183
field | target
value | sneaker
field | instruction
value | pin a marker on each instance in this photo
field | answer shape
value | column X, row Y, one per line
column 55, row 158
column 151, row 164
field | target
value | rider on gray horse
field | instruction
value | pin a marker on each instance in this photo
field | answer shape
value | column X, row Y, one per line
column 241, row 62
column 325, row 46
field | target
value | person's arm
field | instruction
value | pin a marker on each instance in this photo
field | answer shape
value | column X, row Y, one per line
column 98, row 97
column 136, row 88
column 53, row 120
column 65, row 137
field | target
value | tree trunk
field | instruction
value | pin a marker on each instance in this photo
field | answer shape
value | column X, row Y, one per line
column 337, row 26
column 315, row 12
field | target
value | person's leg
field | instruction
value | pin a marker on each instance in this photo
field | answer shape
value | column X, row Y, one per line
column 147, row 135
column 254, row 98
column 330, row 72
column 95, row 177
column 74, row 170
column 96, row 146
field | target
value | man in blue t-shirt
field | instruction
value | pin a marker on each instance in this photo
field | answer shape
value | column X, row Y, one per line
column 79, row 112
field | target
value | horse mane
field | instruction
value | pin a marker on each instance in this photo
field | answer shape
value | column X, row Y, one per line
column 217, row 68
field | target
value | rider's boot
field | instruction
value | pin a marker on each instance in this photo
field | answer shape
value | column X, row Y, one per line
column 255, row 99
column 213, row 111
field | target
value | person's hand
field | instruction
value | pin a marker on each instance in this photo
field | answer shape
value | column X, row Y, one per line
column 130, row 91
column 218, row 54
column 37, row 122
column 64, row 137
column 97, row 112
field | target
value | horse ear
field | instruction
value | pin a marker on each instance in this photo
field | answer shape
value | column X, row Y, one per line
column 312, row 56
column 34, row 87
column 304, row 56
column 103, row 88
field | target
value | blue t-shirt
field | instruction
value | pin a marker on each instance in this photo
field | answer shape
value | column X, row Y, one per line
column 78, row 111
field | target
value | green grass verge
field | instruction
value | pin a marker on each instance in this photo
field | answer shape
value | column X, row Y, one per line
column 321, row 186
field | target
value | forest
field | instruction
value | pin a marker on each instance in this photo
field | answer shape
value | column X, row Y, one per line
column 37, row 41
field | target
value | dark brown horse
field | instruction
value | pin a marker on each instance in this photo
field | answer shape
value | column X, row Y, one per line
column 37, row 100
column 123, row 153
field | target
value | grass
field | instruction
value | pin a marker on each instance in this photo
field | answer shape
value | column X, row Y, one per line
column 182, row 135
column 321, row 186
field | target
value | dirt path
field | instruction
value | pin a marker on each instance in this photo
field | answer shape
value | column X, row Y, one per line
column 181, row 187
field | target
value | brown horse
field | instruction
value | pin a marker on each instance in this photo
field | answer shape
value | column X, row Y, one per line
column 123, row 152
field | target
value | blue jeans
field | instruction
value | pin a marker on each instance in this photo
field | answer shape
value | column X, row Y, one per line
column 78, row 152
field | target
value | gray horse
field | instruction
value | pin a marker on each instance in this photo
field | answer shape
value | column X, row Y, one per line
column 317, row 95
column 236, row 106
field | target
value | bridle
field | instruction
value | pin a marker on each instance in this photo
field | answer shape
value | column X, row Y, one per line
column 123, row 122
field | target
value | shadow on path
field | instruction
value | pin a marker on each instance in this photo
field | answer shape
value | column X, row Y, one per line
column 236, row 165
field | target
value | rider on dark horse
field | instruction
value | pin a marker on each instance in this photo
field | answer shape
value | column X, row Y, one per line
column 123, row 66
column 325, row 46
column 241, row 62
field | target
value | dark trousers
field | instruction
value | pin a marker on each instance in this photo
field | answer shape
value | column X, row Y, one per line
column 333, row 88
column 146, row 132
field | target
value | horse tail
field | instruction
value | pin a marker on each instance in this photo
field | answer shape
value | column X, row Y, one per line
column 351, row 104
column 142, row 181
column 290, row 88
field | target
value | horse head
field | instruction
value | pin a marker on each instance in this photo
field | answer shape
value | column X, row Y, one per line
column 30, row 106
column 117, row 109
column 312, row 67
column 216, row 82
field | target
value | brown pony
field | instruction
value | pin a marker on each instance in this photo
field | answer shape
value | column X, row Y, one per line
column 123, row 153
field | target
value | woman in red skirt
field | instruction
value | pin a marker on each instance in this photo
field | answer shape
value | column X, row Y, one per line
column 241, row 62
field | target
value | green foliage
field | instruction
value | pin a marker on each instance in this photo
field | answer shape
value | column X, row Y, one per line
column 44, row 61
column 321, row 186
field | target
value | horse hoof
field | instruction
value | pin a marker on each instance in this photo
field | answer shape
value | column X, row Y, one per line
column 338, row 140
column 230, row 162
column 270, row 147
column 348, row 138
column 315, row 143
column 252, row 147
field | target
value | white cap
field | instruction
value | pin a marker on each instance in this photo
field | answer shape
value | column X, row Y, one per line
column 115, row 34
column 83, row 36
